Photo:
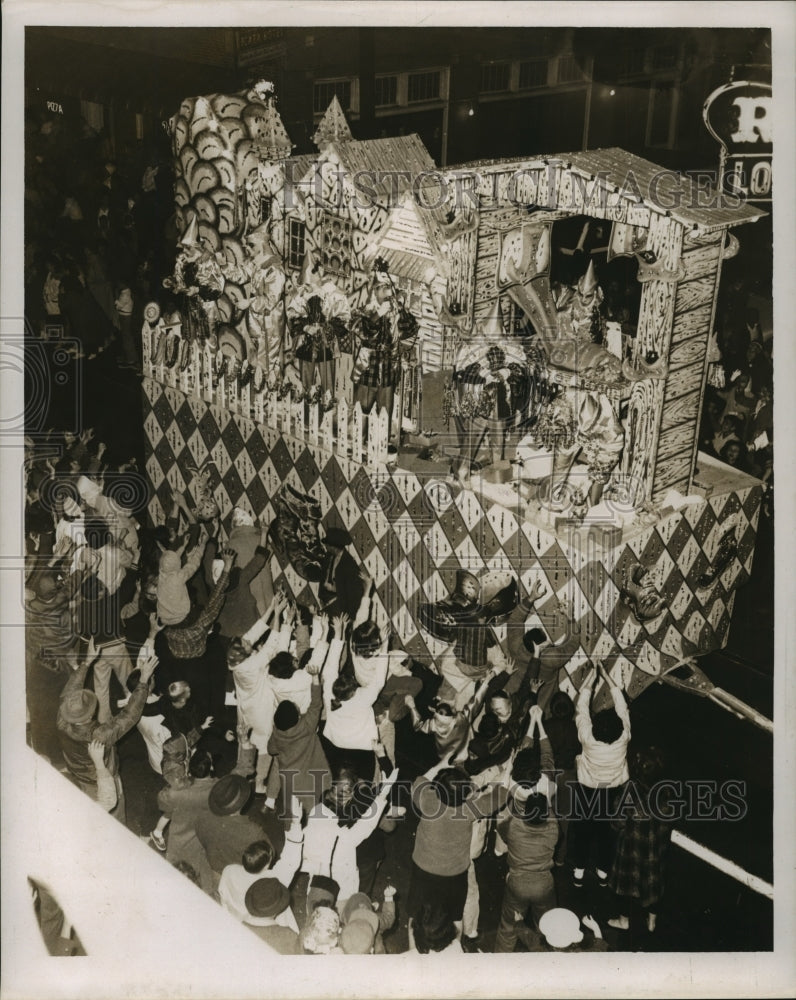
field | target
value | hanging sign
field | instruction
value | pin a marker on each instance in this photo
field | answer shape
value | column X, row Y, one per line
column 739, row 117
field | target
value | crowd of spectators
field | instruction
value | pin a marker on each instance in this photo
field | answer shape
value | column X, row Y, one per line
column 293, row 741
column 97, row 235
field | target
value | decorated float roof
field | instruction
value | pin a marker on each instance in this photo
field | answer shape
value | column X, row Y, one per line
column 663, row 191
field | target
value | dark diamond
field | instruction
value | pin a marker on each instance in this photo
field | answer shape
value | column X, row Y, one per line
column 232, row 484
column 280, row 456
column 163, row 412
column 233, row 440
column 186, row 420
column 307, row 468
column 257, row 449
column 208, row 428
column 258, row 498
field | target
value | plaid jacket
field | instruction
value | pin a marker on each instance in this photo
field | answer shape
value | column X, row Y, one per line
column 189, row 641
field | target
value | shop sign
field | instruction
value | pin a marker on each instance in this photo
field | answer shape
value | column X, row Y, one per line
column 739, row 117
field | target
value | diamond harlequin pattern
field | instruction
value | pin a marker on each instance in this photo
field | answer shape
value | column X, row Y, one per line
column 413, row 535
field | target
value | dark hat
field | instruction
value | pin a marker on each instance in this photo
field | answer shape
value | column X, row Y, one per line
column 266, row 897
column 323, row 890
column 79, row 707
column 533, row 637
column 337, row 537
column 229, row 795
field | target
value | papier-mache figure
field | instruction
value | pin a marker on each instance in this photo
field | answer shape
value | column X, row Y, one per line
column 318, row 314
column 264, row 275
column 490, row 386
column 198, row 282
column 383, row 332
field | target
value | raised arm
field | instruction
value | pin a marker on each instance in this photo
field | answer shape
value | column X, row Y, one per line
column 331, row 666
column 366, row 824
column 620, row 704
column 194, row 558
column 107, row 795
column 363, row 612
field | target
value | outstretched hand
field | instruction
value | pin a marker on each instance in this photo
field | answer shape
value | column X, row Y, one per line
column 340, row 623
column 96, row 750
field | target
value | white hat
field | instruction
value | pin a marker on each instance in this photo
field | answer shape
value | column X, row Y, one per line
column 241, row 517
column 560, row 927
column 190, row 236
column 492, row 327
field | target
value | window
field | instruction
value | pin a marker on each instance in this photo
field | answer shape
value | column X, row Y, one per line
column 386, row 91
column 569, row 70
column 295, row 243
column 424, row 86
column 325, row 90
column 533, row 73
column 495, row 77
column 337, row 251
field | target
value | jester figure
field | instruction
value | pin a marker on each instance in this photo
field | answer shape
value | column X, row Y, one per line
column 490, row 387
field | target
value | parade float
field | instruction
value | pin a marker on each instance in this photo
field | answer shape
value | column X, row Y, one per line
column 356, row 339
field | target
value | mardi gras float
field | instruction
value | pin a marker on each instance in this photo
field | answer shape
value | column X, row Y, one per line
column 326, row 309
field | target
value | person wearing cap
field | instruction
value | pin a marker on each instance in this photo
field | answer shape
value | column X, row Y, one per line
column 78, row 725
column 602, row 766
column 269, row 916
column 368, row 938
column 259, row 864
column 225, row 829
column 530, row 832
column 560, row 930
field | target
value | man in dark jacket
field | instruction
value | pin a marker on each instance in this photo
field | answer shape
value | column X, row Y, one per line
column 78, row 726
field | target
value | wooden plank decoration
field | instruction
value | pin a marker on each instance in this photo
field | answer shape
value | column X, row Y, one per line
column 678, row 409
column 694, row 293
column 656, row 317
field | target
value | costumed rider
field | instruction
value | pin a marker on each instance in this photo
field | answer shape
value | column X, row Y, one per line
column 578, row 309
column 489, row 388
column 318, row 314
column 384, row 332
column 264, row 273
column 463, row 621
column 198, row 282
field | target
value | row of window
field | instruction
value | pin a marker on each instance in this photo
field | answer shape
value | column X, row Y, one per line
column 398, row 89
column 394, row 90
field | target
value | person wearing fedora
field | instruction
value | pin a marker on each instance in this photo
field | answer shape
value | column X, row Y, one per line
column 259, row 863
column 340, row 589
column 269, row 916
column 225, row 829
column 78, row 726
